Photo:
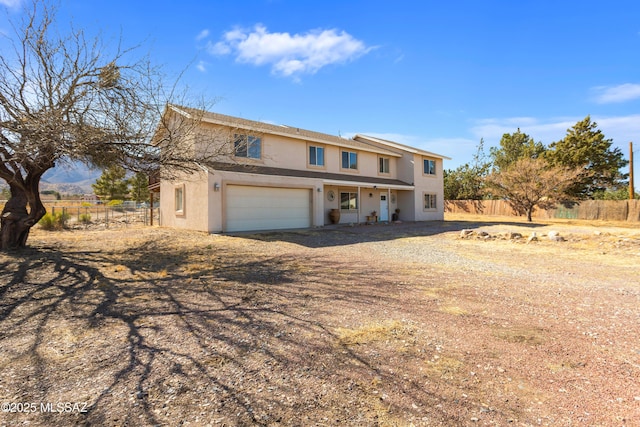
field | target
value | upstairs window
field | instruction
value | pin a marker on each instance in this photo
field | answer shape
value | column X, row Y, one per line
column 429, row 167
column 316, row 156
column 349, row 160
column 247, row 146
column 384, row 165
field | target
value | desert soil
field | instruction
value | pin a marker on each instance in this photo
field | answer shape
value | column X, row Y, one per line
column 402, row 324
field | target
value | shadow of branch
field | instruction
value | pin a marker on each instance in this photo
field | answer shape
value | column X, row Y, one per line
column 151, row 336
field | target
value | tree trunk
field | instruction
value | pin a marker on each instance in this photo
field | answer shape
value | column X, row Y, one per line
column 529, row 214
column 16, row 220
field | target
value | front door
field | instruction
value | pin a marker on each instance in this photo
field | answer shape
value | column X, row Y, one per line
column 384, row 208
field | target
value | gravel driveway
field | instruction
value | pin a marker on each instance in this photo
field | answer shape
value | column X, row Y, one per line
column 403, row 324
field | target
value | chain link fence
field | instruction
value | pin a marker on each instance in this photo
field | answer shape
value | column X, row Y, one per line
column 87, row 215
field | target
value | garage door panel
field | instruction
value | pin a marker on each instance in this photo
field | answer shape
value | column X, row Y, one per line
column 265, row 208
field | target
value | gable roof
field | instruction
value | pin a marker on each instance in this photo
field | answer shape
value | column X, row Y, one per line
column 398, row 146
column 282, row 130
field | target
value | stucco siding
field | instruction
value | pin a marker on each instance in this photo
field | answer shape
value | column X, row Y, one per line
column 194, row 214
column 428, row 184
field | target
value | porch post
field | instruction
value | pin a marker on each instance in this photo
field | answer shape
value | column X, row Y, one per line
column 389, row 214
column 151, row 206
column 359, row 203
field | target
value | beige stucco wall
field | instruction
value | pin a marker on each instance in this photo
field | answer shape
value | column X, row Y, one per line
column 196, row 207
column 292, row 153
column 429, row 184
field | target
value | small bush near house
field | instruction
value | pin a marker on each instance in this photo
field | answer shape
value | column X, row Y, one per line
column 52, row 222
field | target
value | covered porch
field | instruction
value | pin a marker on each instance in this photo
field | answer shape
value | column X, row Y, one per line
column 347, row 202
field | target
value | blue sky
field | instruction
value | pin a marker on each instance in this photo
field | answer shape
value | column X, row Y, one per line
column 433, row 74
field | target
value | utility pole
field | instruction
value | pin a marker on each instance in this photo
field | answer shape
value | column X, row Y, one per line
column 631, row 191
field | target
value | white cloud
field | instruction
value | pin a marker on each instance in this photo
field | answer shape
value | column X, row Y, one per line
column 201, row 35
column 545, row 131
column 448, row 147
column 287, row 54
column 614, row 94
column 11, row 3
column 621, row 129
column 202, row 66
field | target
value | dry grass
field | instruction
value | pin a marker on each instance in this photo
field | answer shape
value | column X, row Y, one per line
column 379, row 331
column 406, row 325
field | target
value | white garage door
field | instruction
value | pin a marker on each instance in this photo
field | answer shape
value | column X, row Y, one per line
column 266, row 208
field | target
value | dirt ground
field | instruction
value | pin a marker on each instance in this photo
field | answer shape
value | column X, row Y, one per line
column 403, row 324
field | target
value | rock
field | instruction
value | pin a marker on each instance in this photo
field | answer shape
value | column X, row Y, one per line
column 533, row 237
column 465, row 233
column 482, row 234
column 555, row 236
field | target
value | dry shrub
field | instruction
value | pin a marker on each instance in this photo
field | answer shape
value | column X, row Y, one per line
column 51, row 222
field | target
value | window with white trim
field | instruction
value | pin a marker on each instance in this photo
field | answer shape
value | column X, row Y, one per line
column 247, row 146
column 348, row 201
column 179, row 199
column 349, row 160
column 383, row 164
column 429, row 167
column 316, row 155
column 430, row 202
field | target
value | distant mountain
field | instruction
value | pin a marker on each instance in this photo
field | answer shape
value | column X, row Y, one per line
column 74, row 178
column 73, row 172
column 68, row 179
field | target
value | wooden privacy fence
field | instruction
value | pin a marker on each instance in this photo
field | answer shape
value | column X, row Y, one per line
column 607, row 210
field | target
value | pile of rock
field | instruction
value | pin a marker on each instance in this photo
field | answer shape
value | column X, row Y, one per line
column 509, row 235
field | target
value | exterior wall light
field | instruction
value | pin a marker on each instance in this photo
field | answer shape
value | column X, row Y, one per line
column 216, row 186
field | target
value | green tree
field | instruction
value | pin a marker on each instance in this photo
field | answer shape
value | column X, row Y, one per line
column 467, row 181
column 586, row 146
column 514, row 147
column 619, row 194
column 531, row 182
column 139, row 187
column 112, row 184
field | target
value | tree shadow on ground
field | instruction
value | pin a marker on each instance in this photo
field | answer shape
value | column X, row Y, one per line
column 153, row 336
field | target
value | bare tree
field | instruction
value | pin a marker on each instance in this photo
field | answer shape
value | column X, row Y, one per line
column 529, row 183
column 64, row 98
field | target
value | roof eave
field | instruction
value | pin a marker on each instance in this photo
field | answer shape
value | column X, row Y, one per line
column 402, row 147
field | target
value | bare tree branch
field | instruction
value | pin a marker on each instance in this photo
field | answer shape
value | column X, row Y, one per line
column 65, row 98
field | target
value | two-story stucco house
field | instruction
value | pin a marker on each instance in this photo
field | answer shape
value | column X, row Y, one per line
column 280, row 177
